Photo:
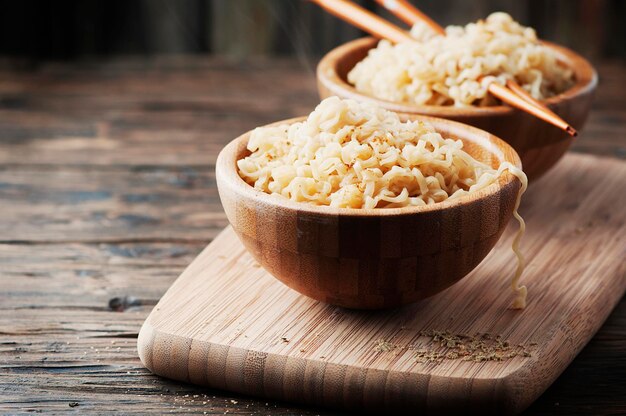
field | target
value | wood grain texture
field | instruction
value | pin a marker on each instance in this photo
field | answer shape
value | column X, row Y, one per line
column 539, row 144
column 372, row 258
column 92, row 205
column 152, row 129
column 227, row 323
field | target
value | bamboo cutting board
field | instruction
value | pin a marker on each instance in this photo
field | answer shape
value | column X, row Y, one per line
column 226, row 323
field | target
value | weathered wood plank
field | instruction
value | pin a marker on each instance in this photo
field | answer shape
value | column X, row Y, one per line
column 139, row 115
column 87, row 277
column 91, row 205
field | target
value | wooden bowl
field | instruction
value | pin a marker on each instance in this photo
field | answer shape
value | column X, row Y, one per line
column 371, row 258
column 539, row 144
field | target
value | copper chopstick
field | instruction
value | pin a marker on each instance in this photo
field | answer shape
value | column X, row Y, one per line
column 515, row 100
column 364, row 19
column 411, row 15
column 555, row 119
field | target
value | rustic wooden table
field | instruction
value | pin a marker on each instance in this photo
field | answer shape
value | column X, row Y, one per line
column 107, row 192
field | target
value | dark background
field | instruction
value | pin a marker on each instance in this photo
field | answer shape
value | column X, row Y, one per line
column 84, row 29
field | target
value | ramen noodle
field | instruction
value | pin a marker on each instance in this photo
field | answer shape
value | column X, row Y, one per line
column 457, row 69
column 349, row 154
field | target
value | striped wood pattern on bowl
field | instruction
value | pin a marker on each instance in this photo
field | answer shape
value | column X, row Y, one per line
column 372, row 258
column 227, row 323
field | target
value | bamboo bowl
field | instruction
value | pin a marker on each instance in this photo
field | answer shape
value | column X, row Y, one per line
column 371, row 258
column 539, row 144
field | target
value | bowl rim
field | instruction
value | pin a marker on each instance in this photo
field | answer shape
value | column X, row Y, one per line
column 227, row 174
column 586, row 82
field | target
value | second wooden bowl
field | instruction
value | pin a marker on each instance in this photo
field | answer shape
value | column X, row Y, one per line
column 371, row 258
column 539, row 144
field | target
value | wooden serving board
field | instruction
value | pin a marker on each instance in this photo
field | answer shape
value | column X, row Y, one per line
column 227, row 323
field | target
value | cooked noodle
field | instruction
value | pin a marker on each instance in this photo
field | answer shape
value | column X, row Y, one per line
column 457, row 69
column 521, row 291
column 349, row 154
